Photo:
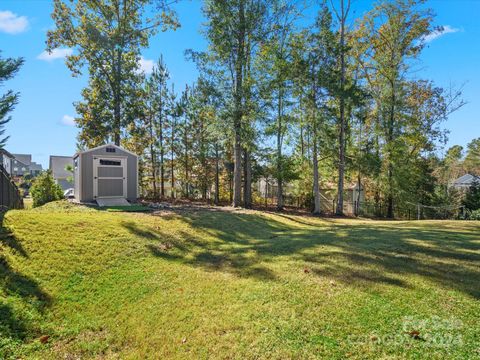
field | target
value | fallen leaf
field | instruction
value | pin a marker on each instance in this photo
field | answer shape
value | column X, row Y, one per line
column 414, row 334
column 44, row 339
column 306, row 270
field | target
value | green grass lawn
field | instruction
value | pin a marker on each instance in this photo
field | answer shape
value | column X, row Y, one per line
column 130, row 208
column 78, row 283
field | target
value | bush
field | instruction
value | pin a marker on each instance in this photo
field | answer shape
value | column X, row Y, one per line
column 475, row 215
column 44, row 189
column 472, row 197
column 470, row 215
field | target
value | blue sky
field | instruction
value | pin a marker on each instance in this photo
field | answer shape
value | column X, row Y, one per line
column 42, row 122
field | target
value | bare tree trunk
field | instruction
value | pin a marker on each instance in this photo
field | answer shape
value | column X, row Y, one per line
column 217, row 176
column 153, row 159
column 247, row 190
column 230, row 186
column 172, row 140
column 280, row 203
column 266, row 191
column 237, row 174
column 238, row 97
column 117, row 121
column 162, row 162
column 341, row 139
column 116, row 99
column 302, row 142
column 359, row 185
column 316, row 177
column 390, row 213
column 187, row 180
column 390, row 195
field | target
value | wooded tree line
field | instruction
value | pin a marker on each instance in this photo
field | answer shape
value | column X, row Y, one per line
column 337, row 101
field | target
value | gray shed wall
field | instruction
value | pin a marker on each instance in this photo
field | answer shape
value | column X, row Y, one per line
column 76, row 177
column 85, row 191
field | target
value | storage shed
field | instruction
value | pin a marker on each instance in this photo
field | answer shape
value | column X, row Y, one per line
column 107, row 172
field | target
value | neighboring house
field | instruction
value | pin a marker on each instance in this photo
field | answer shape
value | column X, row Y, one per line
column 58, row 165
column 35, row 169
column 465, row 182
column 6, row 161
column 22, row 164
column 19, row 167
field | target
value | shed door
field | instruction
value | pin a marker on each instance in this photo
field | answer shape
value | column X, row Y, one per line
column 109, row 177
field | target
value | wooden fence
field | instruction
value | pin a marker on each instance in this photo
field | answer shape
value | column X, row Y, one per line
column 10, row 197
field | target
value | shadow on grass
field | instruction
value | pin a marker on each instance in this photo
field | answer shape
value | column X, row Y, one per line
column 16, row 285
column 356, row 253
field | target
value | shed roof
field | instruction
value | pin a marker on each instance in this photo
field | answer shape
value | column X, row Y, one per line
column 104, row 146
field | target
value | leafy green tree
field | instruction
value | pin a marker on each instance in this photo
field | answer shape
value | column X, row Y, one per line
column 174, row 110
column 314, row 62
column 453, row 162
column 232, row 29
column 107, row 37
column 44, row 189
column 8, row 69
column 156, row 110
column 388, row 38
column 472, row 158
column 188, row 112
column 472, row 197
column 342, row 95
column 276, row 78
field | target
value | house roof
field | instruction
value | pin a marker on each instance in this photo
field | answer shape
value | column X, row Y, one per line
column 23, row 158
column 19, row 163
column 57, row 165
column 34, row 166
column 5, row 152
column 466, row 180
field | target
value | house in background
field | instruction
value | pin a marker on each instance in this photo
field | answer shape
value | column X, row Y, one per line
column 463, row 183
column 35, row 169
column 6, row 161
column 58, row 166
column 22, row 164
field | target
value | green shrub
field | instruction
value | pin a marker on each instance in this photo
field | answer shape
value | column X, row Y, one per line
column 44, row 189
column 475, row 215
column 472, row 197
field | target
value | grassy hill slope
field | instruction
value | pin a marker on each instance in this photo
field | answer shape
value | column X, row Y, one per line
column 80, row 283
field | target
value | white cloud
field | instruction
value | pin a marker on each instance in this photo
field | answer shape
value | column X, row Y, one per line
column 55, row 54
column 68, row 120
column 146, row 65
column 11, row 23
column 442, row 30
